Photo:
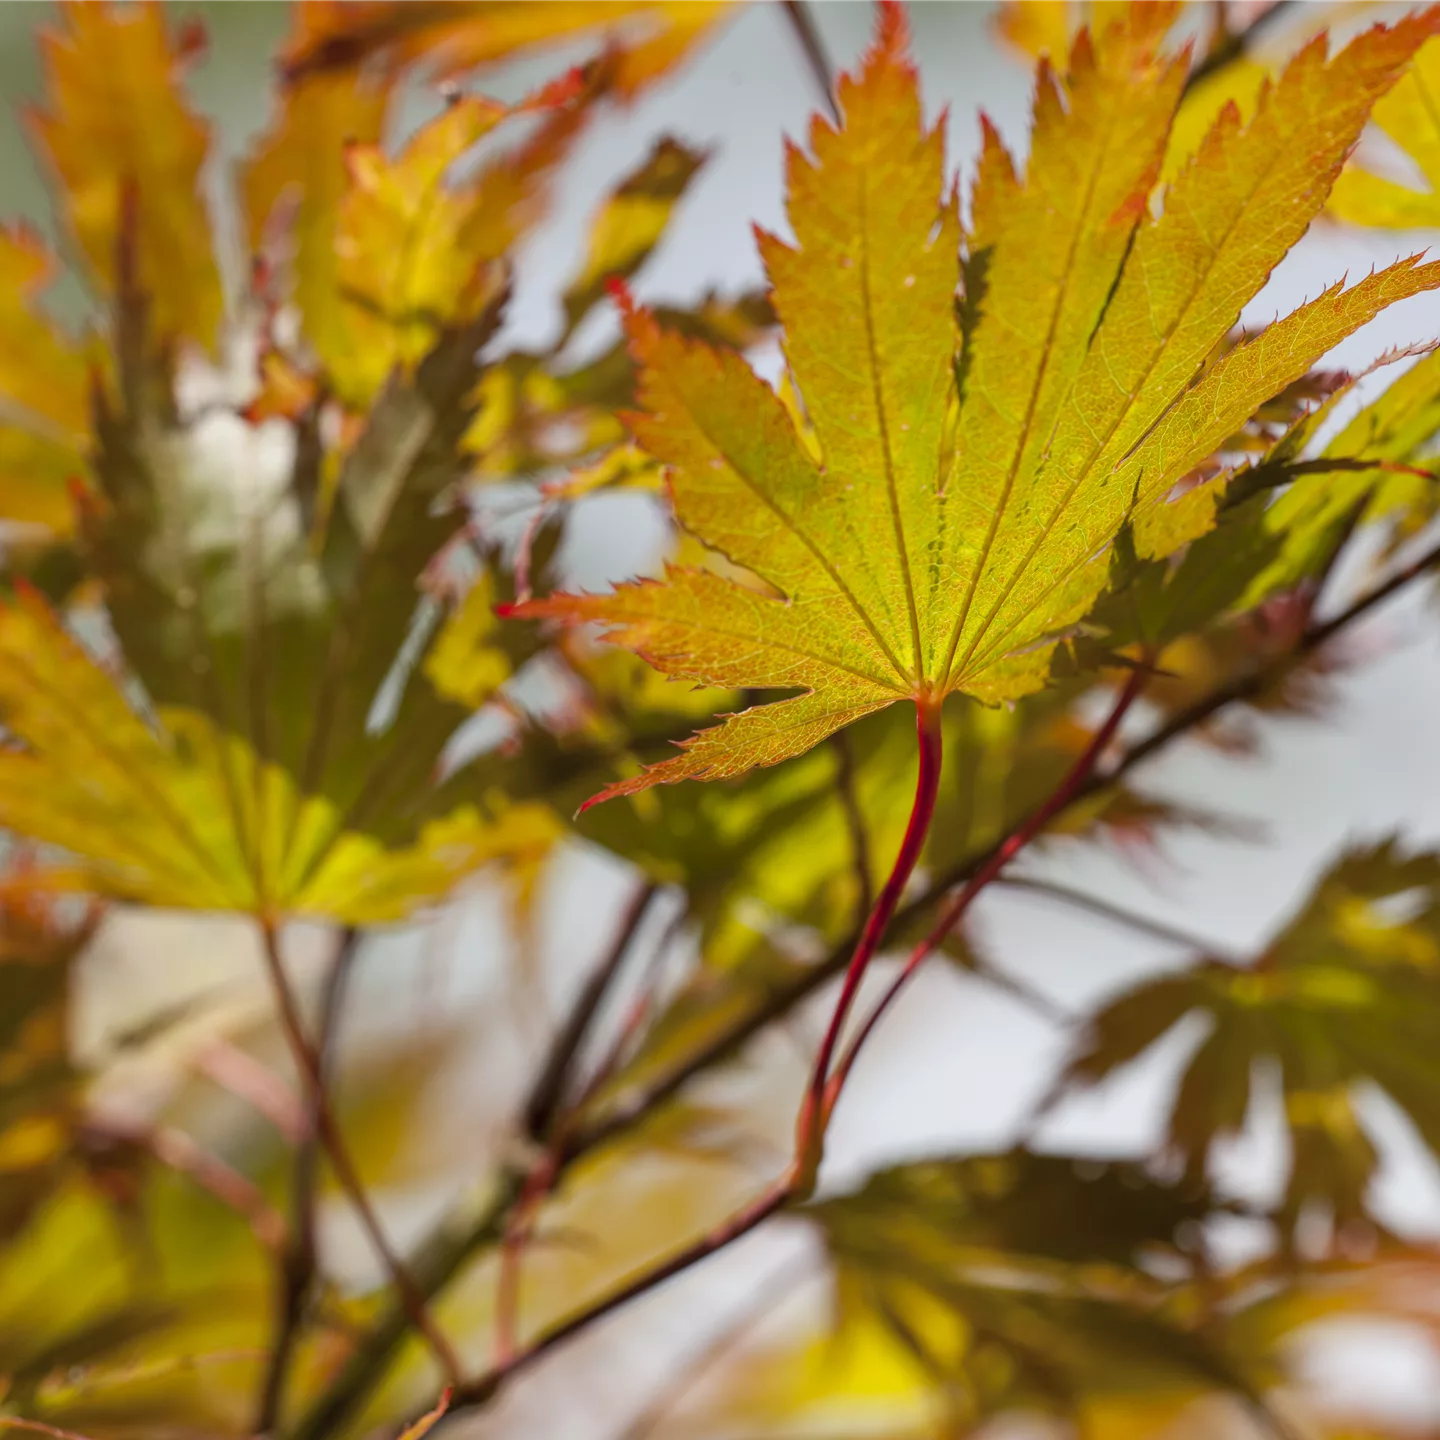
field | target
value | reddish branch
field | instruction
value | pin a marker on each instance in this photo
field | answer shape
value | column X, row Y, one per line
column 308, row 1061
column 546, row 1116
column 1060, row 798
column 802, row 22
column 443, row 1261
column 810, row 1127
column 798, row 1179
column 298, row 1265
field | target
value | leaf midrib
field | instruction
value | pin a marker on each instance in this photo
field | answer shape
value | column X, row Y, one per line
column 877, row 387
column 793, row 525
column 1131, row 401
column 1023, row 439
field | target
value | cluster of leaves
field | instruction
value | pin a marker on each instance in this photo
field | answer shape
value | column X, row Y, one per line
column 255, row 604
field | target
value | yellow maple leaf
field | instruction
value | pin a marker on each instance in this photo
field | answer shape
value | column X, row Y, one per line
column 645, row 38
column 296, row 176
column 44, row 406
column 127, row 152
column 950, row 517
column 180, row 814
column 1410, row 116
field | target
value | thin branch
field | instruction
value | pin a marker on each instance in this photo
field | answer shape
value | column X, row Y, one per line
column 802, row 22
column 39, row 1427
column 1236, row 45
column 549, row 1088
column 1107, row 910
column 638, row 1012
column 775, row 1197
column 1013, row 844
column 179, row 1152
column 297, row 1271
column 307, row 1060
column 717, row 1345
column 453, row 1245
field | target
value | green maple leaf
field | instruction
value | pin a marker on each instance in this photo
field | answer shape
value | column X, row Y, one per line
column 937, row 507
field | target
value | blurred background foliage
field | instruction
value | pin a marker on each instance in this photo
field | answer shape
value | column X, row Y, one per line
column 314, row 389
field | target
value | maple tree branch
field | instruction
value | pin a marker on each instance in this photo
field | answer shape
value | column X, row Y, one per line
column 1236, row 45
column 750, row 1217
column 307, row 1060
column 454, row 1244
column 179, row 1152
column 758, row 1302
column 1160, row 930
column 802, row 23
column 1012, row 845
column 547, row 1093
column 298, row 1265
column 810, row 1125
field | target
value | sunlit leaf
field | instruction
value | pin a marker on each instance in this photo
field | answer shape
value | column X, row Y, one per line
column 188, row 817
column 1085, row 322
column 1363, row 195
column 128, row 153
column 646, row 37
column 630, row 223
column 295, row 182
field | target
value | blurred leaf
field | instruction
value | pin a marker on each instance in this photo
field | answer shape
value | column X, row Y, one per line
column 43, row 392
column 1348, row 991
column 127, row 153
column 995, row 1284
column 1407, row 115
column 644, row 38
column 1048, row 27
column 39, row 1086
column 189, row 817
column 296, row 182
column 630, row 223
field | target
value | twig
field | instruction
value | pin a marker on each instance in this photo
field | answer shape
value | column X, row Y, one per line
column 336, row 1151
column 813, row 48
column 1013, row 844
column 1108, row 910
column 716, row 1346
column 179, row 1151
column 635, row 1016
column 549, row 1087
column 1237, row 44
column 751, row 1217
column 39, row 1427
column 297, row 1271
column 450, row 1249
column 814, row 1113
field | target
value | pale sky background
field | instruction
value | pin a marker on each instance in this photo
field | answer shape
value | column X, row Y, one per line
column 957, row 1065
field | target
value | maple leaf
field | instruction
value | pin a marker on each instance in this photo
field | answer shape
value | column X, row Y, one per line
column 39, row 1085
column 188, row 816
column 44, row 390
column 1346, row 992
column 1408, row 115
column 645, row 38
column 938, row 524
column 122, row 141
column 1041, row 27
column 297, row 178
column 630, row 224
column 990, row 1285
